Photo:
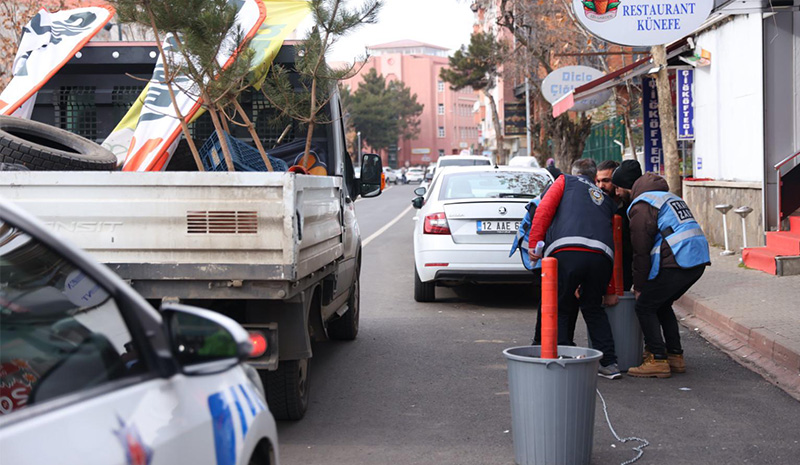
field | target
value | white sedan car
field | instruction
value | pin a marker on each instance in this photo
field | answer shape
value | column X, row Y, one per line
column 90, row 373
column 466, row 222
column 415, row 175
column 390, row 175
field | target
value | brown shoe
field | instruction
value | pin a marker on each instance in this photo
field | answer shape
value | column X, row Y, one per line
column 676, row 363
column 651, row 368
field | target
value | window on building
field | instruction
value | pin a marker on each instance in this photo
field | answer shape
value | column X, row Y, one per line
column 441, row 108
column 441, row 131
column 440, row 86
column 441, row 152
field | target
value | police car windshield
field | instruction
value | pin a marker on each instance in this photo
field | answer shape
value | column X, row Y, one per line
column 493, row 184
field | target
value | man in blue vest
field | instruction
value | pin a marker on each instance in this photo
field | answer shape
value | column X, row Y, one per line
column 670, row 254
column 574, row 221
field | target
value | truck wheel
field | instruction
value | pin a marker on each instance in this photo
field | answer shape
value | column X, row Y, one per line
column 423, row 292
column 287, row 389
column 38, row 146
column 345, row 328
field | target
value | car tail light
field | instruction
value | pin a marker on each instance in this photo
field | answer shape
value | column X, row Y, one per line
column 259, row 342
column 436, row 224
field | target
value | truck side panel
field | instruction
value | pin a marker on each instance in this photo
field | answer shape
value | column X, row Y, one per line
column 184, row 225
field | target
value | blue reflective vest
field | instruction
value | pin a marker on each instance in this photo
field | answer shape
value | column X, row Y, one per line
column 521, row 239
column 677, row 226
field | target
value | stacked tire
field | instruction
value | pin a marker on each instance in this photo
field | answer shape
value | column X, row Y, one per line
column 40, row 147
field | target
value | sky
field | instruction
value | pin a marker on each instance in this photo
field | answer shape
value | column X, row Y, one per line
column 447, row 23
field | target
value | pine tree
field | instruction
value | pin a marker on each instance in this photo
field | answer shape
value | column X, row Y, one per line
column 477, row 66
column 331, row 21
column 196, row 41
column 383, row 112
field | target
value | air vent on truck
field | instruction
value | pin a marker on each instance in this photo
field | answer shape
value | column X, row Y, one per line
column 221, row 222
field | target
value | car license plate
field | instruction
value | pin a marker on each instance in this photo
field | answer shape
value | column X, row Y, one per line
column 498, row 227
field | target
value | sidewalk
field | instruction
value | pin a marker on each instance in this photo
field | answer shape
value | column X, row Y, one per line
column 752, row 316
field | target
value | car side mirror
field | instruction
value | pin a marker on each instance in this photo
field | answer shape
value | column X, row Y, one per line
column 420, row 191
column 204, row 342
column 418, row 202
column 371, row 174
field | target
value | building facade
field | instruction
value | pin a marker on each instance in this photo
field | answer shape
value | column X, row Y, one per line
column 747, row 120
column 447, row 124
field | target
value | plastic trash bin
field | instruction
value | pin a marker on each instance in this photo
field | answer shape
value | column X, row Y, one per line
column 552, row 404
column 628, row 338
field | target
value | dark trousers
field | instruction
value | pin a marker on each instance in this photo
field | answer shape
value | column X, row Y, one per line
column 654, row 308
column 591, row 272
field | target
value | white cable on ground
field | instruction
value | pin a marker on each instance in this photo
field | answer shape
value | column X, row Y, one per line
column 639, row 448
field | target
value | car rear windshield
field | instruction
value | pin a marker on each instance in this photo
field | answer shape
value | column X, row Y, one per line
column 465, row 162
column 493, row 185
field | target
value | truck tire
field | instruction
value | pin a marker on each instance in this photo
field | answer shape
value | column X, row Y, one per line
column 345, row 328
column 287, row 389
column 423, row 292
column 41, row 147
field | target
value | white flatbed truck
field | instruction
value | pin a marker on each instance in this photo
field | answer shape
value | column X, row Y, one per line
column 277, row 251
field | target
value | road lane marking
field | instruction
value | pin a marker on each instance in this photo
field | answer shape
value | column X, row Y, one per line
column 386, row 227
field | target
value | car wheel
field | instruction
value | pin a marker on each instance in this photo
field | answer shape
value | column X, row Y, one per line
column 423, row 292
column 38, row 146
column 287, row 389
column 345, row 328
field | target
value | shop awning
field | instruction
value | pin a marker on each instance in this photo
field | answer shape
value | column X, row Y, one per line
column 618, row 77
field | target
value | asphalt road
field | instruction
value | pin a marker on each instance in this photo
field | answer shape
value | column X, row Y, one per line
column 427, row 383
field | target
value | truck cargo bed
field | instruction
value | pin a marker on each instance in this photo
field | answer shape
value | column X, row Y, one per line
column 184, row 226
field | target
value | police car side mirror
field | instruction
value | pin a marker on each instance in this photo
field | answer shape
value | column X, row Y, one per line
column 418, row 202
column 204, row 342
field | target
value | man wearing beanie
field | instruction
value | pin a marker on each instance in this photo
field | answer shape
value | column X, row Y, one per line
column 574, row 220
column 605, row 170
column 670, row 254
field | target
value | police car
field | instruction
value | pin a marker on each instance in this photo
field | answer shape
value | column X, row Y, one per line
column 90, row 373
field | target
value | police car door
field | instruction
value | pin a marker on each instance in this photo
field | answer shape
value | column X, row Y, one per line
column 77, row 388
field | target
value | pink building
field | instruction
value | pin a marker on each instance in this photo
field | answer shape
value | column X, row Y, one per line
column 446, row 124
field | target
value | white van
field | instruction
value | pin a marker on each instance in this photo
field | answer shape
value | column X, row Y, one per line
column 530, row 162
column 463, row 160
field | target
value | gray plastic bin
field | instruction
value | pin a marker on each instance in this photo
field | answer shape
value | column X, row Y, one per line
column 628, row 339
column 552, row 405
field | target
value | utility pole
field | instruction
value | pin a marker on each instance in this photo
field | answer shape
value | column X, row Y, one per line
column 669, row 138
column 359, row 148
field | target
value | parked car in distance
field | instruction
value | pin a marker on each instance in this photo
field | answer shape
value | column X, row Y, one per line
column 466, row 222
column 415, row 175
column 463, row 160
column 530, row 162
column 391, row 175
column 88, row 364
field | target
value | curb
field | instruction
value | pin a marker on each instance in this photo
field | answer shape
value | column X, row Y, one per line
column 755, row 348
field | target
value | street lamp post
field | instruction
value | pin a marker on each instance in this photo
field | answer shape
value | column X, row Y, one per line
column 359, row 147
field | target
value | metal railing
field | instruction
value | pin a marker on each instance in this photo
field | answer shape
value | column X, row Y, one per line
column 779, row 176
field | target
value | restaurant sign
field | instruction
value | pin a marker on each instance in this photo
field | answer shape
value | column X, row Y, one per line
column 642, row 22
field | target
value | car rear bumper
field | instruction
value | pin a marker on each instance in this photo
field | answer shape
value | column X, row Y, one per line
column 447, row 261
